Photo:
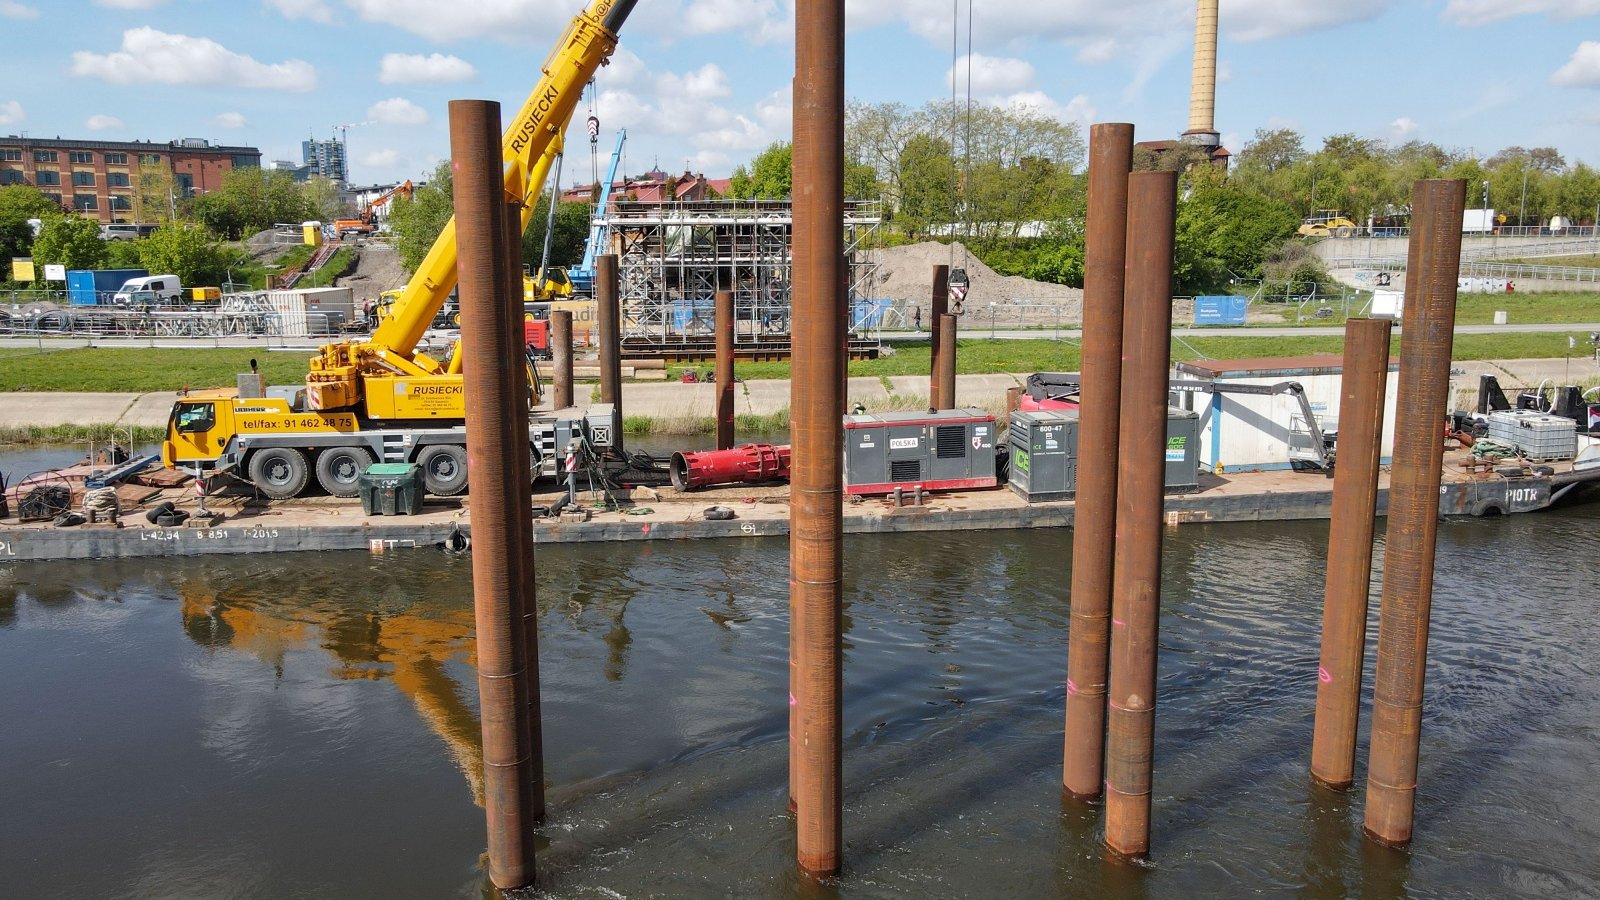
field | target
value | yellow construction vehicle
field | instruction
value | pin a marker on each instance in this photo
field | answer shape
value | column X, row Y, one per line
column 1326, row 223
column 381, row 398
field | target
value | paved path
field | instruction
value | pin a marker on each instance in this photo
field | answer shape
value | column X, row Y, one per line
column 668, row 401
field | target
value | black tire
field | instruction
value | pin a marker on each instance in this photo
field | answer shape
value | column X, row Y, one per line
column 339, row 469
column 444, row 469
column 172, row 519
column 279, row 472
column 161, row 510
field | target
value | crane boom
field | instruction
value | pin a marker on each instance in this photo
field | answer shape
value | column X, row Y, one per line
column 582, row 277
column 335, row 379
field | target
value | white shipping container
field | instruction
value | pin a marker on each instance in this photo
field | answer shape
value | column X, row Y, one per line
column 1259, row 432
column 309, row 311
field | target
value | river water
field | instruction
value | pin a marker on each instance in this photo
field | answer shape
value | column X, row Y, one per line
column 305, row 725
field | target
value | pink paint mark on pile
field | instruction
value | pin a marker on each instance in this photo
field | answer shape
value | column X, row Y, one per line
column 1324, row 676
column 1072, row 687
column 793, row 701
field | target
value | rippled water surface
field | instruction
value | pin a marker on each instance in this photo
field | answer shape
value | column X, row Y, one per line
column 305, row 725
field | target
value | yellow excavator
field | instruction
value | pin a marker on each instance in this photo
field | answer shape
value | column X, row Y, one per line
column 382, row 398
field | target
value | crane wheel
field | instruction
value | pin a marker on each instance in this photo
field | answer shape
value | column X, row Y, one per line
column 339, row 469
column 279, row 472
column 444, row 469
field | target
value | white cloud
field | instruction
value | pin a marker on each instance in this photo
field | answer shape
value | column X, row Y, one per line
column 1224, row 71
column 1078, row 109
column 11, row 113
column 705, row 83
column 130, row 4
column 414, row 68
column 1259, row 20
column 313, row 10
column 991, row 74
column 11, row 9
column 397, row 111
column 149, row 56
column 229, row 120
column 1403, row 127
column 1483, row 12
column 102, row 123
column 507, row 19
column 760, row 20
column 380, row 159
column 1583, row 69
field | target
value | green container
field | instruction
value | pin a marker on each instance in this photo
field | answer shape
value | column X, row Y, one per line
column 391, row 489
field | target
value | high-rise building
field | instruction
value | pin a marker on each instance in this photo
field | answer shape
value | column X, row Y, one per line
column 101, row 179
column 326, row 158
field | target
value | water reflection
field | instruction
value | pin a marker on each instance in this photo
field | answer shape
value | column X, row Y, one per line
column 333, row 696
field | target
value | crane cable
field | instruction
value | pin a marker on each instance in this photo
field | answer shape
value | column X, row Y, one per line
column 965, row 172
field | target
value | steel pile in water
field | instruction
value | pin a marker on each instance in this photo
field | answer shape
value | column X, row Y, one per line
column 938, row 306
column 725, row 325
column 1349, row 576
column 816, row 541
column 1094, row 537
column 561, row 358
column 1141, row 479
column 608, row 327
column 1428, row 328
column 497, row 576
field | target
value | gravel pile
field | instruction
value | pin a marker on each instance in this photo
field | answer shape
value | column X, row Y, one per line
column 906, row 275
column 376, row 269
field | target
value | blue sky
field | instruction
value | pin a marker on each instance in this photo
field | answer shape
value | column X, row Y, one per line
column 704, row 83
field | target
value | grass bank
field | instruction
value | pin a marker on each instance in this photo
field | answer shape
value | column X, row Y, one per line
column 128, row 370
column 123, row 370
column 1553, row 308
column 40, row 436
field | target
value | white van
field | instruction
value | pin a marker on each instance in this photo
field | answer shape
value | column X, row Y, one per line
column 151, row 290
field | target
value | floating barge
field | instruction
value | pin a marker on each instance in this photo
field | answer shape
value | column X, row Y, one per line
column 327, row 524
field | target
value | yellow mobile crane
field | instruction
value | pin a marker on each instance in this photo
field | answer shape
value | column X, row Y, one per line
column 382, row 398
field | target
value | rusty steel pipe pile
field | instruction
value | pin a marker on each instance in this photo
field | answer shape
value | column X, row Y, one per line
column 497, row 577
column 530, row 730
column 561, row 358
column 725, row 327
column 947, row 362
column 938, row 308
column 608, row 326
column 1349, row 576
column 1141, row 478
column 1432, row 267
column 816, row 543
column 1094, row 536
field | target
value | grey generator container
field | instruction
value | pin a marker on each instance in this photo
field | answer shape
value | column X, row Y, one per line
column 391, row 489
column 1044, row 454
column 944, row 450
column 1539, row 436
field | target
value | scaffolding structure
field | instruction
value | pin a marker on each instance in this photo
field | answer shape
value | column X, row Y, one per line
column 674, row 257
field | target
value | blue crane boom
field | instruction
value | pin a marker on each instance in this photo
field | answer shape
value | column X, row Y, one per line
column 582, row 275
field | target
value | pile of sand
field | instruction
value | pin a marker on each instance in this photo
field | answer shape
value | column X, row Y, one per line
column 376, row 269
column 906, row 275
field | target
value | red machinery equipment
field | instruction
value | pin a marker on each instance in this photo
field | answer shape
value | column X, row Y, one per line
column 536, row 334
column 748, row 464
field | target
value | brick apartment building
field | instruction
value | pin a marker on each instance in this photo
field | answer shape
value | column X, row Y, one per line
column 97, row 179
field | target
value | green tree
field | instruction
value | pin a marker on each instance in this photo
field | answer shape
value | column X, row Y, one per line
column 192, row 254
column 1225, row 232
column 567, row 240
column 417, row 222
column 321, row 196
column 252, row 200
column 926, row 173
column 70, row 241
column 769, row 177
column 18, row 204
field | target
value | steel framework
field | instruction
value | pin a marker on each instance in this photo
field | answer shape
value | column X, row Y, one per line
column 673, row 258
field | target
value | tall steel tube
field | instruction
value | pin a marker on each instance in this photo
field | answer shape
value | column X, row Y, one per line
column 496, row 581
column 1141, row 478
column 608, row 325
column 724, row 370
column 1094, row 537
column 530, row 730
column 938, row 307
column 1349, row 577
column 816, row 542
column 561, row 358
column 947, row 362
column 1432, row 267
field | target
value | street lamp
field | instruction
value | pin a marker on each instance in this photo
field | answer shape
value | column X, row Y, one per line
column 1522, row 210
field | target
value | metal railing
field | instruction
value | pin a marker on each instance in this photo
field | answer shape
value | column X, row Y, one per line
column 1517, row 231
